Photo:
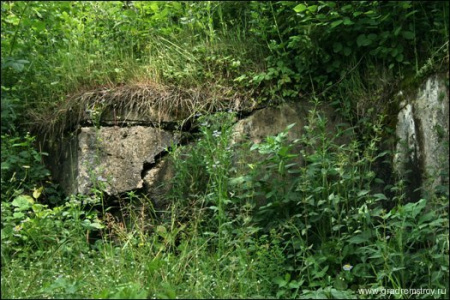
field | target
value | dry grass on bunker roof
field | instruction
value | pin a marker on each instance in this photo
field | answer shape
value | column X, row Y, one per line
column 141, row 97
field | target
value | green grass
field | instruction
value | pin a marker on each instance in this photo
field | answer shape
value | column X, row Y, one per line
column 154, row 268
column 95, row 45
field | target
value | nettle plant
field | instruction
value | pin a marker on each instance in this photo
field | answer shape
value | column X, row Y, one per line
column 312, row 206
column 337, row 233
column 203, row 172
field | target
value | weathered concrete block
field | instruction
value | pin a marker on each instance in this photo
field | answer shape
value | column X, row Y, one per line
column 422, row 132
column 113, row 158
column 273, row 120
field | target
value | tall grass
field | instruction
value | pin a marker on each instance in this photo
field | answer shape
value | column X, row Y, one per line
column 88, row 45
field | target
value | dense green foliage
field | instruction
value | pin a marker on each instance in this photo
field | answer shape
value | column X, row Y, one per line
column 246, row 220
column 320, row 213
column 282, row 49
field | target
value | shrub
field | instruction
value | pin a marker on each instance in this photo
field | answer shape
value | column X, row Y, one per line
column 22, row 167
column 30, row 229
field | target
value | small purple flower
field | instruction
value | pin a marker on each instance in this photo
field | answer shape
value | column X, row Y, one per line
column 100, row 178
column 216, row 164
column 347, row 267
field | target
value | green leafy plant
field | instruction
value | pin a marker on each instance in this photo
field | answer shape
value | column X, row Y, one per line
column 31, row 227
column 210, row 162
column 22, row 167
column 328, row 214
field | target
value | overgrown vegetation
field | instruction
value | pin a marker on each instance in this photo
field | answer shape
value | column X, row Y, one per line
column 246, row 220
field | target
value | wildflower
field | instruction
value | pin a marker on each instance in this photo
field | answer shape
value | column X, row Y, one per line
column 347, row 267
column 216, row 133
column 18, row 228
column 100, row 178
column 74, row 201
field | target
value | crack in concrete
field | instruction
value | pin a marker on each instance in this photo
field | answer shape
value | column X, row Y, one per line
column 147, row 166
